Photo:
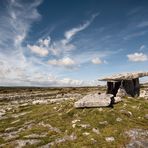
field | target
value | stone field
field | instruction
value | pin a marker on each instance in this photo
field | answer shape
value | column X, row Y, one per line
column 46, row 117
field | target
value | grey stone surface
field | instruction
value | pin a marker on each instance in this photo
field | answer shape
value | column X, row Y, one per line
column 103, row 122
column 71, row 137
column 126, row 112
column 118, row 119
column 2, row 112
column 144, row 94
column 94, row 100
column 110, row 139
column 86, row 133
column 146, row 116
column 23, row 143
column 117, row 99
column 138, row 138
column 125, row 76
column 96, row 130
column 121, row 92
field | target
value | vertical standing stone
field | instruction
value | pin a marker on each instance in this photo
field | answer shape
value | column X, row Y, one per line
column 136, row 87
column 128, row 85
column 112, row 87
column 109, row 87
column 116, row 87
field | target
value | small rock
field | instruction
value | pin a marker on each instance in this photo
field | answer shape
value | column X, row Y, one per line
column 86, row 133
column 50, row 127
column 54, row 107
column 127, row 113
column 36, row 136
column 58, row 96
column 9, row 129
column 100, row 109
column 118, row 119
column 124, row 105
column 117, row 99
column 134, row 107
column 84, row 125
column 20, row 114
column 24, row 104
column 60, row 114
column 95, row 130
column 110, row 139
column 103, row 123
column 143, row 94
column 22, row 143
column 76, row 120
column 72, row 137
column 146, row 116
column 10, row 135
column 2, row 112
column 74, row 125
column 121, row 92
column 8, row 108
column 93, row 140
column 39, row 102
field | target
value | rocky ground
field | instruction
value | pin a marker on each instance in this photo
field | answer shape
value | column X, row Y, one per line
column 43, row 117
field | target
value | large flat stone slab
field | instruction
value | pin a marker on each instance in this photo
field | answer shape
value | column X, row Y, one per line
column 94, row 100
column 125, row 76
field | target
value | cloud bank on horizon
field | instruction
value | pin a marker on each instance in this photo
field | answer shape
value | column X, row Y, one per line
column 52, row 43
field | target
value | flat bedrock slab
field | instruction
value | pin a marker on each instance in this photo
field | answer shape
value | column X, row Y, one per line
column 95, row 100
column 138, row 138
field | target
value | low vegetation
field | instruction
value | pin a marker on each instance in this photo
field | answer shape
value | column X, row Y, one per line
column 59, row 124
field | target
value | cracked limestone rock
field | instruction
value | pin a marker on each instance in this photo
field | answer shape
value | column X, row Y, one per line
column 94, row 100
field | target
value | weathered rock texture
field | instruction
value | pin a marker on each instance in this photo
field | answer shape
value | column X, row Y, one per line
column 125, row 76
column 128, row 83
column 144, row 94
column 138, row 138
column 94, row 100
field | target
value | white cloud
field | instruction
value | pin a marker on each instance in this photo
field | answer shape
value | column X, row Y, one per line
column 137, row 57
column 143, row 24
column 135, row 34
column 45, row 42
column 142, row 47
column 69, row 34
column 96, row 61
column 70, row 82
column 62, row 46
column 15, row 23
column 65, row 62
column 16, row 69
column 38, row 50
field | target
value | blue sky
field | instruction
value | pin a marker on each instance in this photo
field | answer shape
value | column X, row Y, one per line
column 71, row 42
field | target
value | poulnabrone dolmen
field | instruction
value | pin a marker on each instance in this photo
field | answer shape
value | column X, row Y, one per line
column 117, row 86
column 128, row 82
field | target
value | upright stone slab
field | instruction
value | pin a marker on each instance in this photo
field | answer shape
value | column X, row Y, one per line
column 128, row 85
column 136, row 87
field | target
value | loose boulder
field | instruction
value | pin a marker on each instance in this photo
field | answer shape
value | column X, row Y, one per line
column 144, row 94
column 94, row 100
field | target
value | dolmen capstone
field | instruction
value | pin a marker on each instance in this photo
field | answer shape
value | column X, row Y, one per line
column 97, row 100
